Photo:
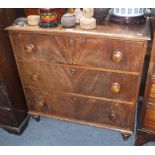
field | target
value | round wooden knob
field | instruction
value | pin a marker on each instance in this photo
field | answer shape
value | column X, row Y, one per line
column 117, row 57
column 74, row 99
column 29, row 48
column 115, row 88
column 72, row 70
column 113, row 116
column 40, row 101
column 35, row 76
column 71, row 41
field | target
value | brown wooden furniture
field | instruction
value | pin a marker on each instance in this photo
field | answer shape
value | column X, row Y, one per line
column 85, row 76
column 146, row 126
column 13, row 108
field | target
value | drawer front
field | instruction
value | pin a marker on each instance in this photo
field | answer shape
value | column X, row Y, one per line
column 47, row 47
column 78, row 80
column 86, row 109
column 96, row 52
column 109, row 54
column 152, row 61
column 150, row 93
column 6, row 117
column 149, row 119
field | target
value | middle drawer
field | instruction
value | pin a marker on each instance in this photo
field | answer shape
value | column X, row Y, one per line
column 71, row 79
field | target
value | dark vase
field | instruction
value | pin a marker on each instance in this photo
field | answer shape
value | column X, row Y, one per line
column 48, row 17
column 100, row 14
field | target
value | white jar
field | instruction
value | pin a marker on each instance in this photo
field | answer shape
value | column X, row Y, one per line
column 128, row 12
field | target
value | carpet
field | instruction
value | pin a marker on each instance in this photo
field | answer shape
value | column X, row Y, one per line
column 51, row 132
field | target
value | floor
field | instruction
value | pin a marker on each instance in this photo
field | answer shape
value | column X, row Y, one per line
column 53, row 132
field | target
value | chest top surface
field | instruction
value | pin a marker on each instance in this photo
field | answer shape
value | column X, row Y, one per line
column 106, row 30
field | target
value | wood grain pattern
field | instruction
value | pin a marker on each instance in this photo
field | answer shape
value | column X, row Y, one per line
column 77, row 80
column 79, row 108
column 79, row 50
column 139, row 32
column 146, row 124
column 149, row 119
column 152, row 64
column 86, row 76
column 150, row 83
column 152, row 92
column 56, row 49
column 99, row 53
column 151, row 71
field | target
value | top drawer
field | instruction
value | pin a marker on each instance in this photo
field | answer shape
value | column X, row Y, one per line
column 87, row 51
column 47, row 47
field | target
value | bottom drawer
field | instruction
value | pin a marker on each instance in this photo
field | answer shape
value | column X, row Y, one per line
column 6, row 117
column 80, row 108
column 149, row 119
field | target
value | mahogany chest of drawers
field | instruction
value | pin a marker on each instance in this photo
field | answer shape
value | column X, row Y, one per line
column 86, row 76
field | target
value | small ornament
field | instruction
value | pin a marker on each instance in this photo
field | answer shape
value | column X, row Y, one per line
column 78, row 14
column 88, row 12
column 68, row 20
column 21, row 21
column 33, row 20
column 87, row 21
column 48, row 17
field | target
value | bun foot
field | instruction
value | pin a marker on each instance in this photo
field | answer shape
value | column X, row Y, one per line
column 143, row 137
column 36, row 117
column 126, row 136
column 140, row 140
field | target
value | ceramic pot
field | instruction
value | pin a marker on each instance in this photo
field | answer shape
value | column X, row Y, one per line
column 128, row 12
column 87, row 23
column 68, row 20
column 33, row 20
column 21, row 21
column 48, row 17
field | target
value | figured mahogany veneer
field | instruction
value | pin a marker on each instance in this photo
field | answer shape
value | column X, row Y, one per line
column 98, row 52
column 91, row 77
column 78, row 80
column 149, row 119
column 80, row 108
